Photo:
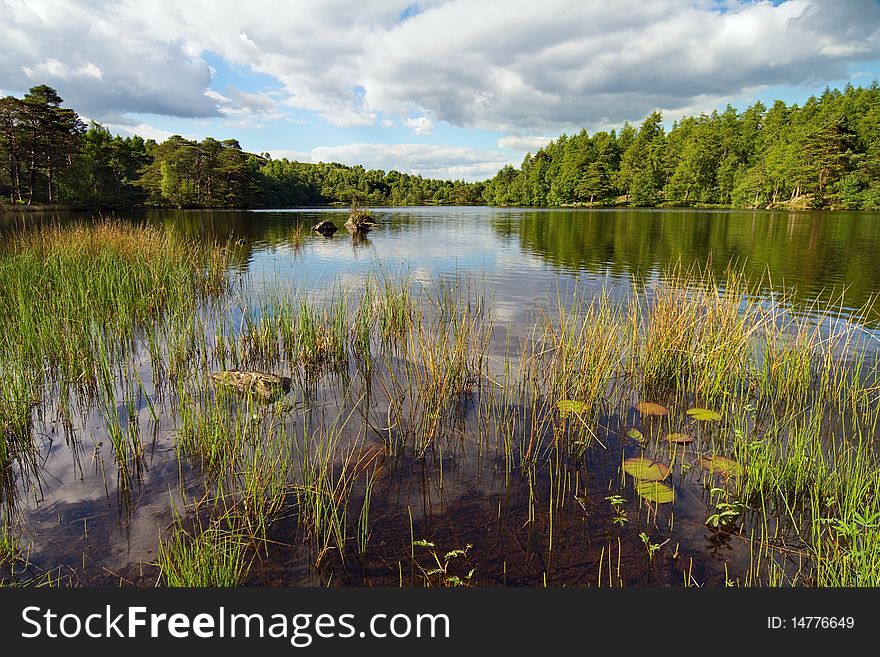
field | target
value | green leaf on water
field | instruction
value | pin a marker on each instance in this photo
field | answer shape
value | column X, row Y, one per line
column 635, row 434
column 644, row 469
column 651, row 408
column 654, row 491
column 679, row 439
column 571, row 407
column 704, row 414
column 721, row 464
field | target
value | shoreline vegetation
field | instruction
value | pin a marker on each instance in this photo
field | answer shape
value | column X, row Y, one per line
column 824, row 154
column 324, row 439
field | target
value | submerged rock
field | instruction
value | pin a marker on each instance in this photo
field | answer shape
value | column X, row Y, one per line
column 325, row 228
column 265, row 386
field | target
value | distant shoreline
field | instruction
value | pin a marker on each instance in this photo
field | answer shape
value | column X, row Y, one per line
column 7, row 208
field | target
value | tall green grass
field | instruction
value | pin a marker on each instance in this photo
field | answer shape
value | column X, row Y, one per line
column 62, row 287
column 75, row 303
column 797, row 394
column 214, row 556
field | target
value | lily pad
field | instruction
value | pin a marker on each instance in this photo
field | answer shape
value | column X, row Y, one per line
column 654, row 491
column 635, row 434
column 644, row 469
column 651, row 408
column 571, row 407
column 721, row 464
column 704, row 414
column 679, row 439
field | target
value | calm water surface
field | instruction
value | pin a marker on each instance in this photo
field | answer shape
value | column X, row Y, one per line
column 524, row 254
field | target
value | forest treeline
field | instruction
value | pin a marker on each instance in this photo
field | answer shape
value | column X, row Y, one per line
column 49, row 155
column 825, row 153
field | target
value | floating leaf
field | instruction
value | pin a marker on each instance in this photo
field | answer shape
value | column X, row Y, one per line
column 645, row 469
column 704, row 414
column 679, row 439
column 650, row 408
column 722, row 464
column 635, row 434
column 654, row 491
column 571, row 406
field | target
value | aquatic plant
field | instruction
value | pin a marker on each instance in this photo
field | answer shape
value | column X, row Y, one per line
column 213, row 556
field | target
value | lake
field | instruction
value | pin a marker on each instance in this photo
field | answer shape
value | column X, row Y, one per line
column 566, row 520
column 524, row 253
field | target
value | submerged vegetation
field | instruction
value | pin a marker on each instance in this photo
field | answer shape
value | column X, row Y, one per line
column 391, row 433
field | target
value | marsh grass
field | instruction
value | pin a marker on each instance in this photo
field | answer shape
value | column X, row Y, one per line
column 798, row 396
column 323, row 491
column 75, row 304
column 212, row 430
column 9, row 547
column 261, row 483
column 688, row 333
column 213, row 556
column 17, row 401
column 60, row 286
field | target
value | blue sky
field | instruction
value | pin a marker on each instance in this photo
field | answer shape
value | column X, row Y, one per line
column 446, row 88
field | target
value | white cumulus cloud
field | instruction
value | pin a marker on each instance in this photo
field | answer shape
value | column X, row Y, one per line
column 524, row 142
column 429, row 160
column 421, row 125
column 515, row 66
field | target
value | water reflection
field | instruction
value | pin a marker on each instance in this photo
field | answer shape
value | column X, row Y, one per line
column 524, row 251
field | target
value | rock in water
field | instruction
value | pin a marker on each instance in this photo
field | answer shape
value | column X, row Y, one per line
column 265, row 386
column 325, row 228
column 360, row 221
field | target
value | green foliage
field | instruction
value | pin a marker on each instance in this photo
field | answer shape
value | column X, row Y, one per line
column 213, row 557
column 38, row 139
column 439, row 572
column 651, row 547
column 824, row 154
column 105, row 171
column 654, row 491
column 284, row 184
column 704, row 414
column 48, row 156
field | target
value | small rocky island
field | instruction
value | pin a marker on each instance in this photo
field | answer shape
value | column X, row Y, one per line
column 360, row 220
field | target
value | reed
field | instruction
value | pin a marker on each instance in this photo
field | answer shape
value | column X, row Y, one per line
column 323, row 491
column 9, row 548
column 214, row 556
column 60, row 285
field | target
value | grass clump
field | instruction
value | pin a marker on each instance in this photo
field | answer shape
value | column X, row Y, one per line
column 691, row 334
column 64, row 287
column 212, row 557
column 8, row 542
